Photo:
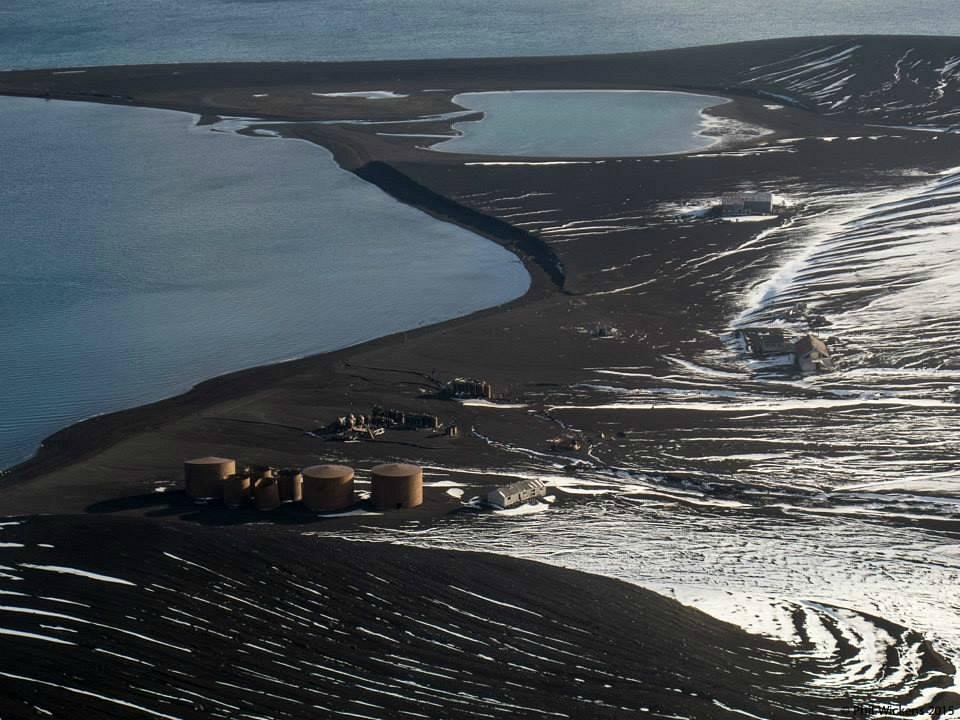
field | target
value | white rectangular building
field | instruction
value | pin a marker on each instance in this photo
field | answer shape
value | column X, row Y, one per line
column 516, row 493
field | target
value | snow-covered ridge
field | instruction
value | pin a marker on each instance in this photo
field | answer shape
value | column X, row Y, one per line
column 912, row 86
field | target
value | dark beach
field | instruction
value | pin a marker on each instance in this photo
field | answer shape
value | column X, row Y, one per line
column 532, row 349
column 646, row 280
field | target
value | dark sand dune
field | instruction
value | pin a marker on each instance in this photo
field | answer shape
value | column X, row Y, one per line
column 132, row 618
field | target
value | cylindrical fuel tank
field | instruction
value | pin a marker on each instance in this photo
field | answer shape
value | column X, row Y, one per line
column 396, row 485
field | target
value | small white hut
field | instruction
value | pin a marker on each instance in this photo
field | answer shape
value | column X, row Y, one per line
column 740, row 204
column 516, row 493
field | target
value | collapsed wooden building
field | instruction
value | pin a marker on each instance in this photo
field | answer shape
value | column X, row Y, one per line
column 764, row 342
column 369, row 427
column 467, row 389
column 811, row 355
column 807, row 352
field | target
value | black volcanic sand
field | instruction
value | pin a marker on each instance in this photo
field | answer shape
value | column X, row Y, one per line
column 640, row 279
column 196, row 623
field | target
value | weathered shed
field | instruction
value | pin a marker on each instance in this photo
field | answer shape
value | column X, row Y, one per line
column 765, row 341
column 516, row 493
column 812, row 355
column 740, row 204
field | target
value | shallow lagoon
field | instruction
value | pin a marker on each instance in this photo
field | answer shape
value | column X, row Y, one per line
column 141, row 254
column 582, row 123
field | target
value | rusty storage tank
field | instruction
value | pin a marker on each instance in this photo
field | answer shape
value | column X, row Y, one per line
column 327, row 487
column 291, row 485
column 266, row 493
column 396, row 485
column 204, row 476
column 236, row 489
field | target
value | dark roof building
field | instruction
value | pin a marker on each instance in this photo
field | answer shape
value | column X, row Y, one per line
column 812, row 355
column 764, row 342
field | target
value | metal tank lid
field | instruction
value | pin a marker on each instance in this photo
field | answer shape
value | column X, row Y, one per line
column 398, row 470
column 327, row 472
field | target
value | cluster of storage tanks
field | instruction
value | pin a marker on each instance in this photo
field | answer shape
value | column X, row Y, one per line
column 321, row 488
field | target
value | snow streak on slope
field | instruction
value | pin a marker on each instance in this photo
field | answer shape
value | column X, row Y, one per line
column 827, row 585
column 820, row 75
column 220, row 623
column 819, row 508
column 882, row 433
column 888, row 85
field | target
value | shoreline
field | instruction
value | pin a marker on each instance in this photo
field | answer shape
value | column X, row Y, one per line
column 384, row 163
column 664, row 283
column 72, row 443
column 542, row 266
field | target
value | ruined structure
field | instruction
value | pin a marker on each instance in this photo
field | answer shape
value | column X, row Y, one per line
column 465, row 389
column 811, row 355
column 764, row 342
column 369, row 427
column 402, row 419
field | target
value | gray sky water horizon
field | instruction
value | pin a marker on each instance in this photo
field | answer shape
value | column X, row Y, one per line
column 62, row 33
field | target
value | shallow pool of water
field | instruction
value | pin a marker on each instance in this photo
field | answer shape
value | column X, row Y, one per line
column 141, row 254
column 583, row 123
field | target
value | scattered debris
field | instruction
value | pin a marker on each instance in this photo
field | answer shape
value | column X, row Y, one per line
column 801, row 313
column 568, row 441
column 401, row 419
column 353, row 428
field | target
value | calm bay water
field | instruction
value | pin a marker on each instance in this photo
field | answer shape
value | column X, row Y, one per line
column 141, row 254
column 49, row 33
column 565, row 123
